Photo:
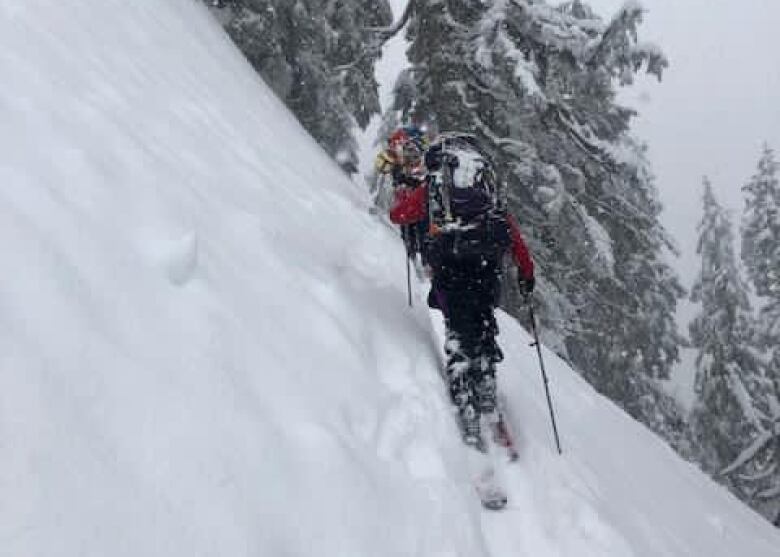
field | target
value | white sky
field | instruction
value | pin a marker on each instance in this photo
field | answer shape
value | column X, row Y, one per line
column 716, row 106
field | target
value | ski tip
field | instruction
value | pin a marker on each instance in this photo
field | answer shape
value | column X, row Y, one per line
column 492, row 498
column 495, row 504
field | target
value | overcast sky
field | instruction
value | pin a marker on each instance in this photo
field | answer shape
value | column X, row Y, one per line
column 718, row 103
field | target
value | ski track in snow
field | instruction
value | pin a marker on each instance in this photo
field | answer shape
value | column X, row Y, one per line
column 206, row 347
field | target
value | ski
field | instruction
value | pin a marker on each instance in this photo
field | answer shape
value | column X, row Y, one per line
column 493, row 497
column 484, row 453
column 486, row 479
column 486, row 465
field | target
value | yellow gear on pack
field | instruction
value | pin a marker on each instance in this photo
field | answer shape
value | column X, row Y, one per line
column 384, row 162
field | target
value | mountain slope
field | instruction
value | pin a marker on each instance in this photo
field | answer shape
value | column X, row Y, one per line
column 205, row 347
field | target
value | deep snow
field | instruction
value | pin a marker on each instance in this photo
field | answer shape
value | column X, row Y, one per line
column 205, row 347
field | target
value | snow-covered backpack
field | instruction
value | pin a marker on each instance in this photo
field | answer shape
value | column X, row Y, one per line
column 467, row 218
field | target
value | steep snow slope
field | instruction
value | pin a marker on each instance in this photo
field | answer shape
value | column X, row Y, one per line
column 204, row 344
column 205, row 348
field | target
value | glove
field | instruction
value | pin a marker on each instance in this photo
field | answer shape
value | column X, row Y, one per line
column 526, row 285
column 398, row 175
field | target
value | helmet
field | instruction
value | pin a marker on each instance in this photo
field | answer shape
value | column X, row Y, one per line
column 408, row 144
column 416, row 136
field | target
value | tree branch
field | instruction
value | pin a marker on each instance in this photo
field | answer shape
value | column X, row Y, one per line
column 383, row 34
column 387, row 33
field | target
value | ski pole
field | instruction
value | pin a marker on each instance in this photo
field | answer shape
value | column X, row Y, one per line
column 409, row 277
column 405, row 235
column 538, row 346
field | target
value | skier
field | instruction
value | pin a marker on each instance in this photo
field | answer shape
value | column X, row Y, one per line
column 403, row 157
column 402, row 160
column 469, row 233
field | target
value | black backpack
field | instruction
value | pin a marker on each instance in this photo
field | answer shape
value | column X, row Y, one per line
column 467, row 219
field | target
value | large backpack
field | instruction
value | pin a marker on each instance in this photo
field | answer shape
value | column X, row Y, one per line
column 467, row 218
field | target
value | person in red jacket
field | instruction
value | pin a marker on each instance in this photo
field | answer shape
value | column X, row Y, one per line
column 402, row 160
column 466, row 242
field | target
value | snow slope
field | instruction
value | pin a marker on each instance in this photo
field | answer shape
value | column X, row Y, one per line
column 205, row 347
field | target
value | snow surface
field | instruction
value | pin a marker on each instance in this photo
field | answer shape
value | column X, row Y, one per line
column 205, row 346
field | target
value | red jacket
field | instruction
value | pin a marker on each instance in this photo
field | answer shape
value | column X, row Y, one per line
column 410, row 206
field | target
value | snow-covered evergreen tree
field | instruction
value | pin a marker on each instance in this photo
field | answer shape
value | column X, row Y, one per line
column 538, row 83
column 760, row 461
column 755, row 473
column 318, row 56
column 731, row 407
column 761, row 227
column 761, row 250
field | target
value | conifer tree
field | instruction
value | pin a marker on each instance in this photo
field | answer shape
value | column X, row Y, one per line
column 318, row 56
column 760, row 460
column 730, row 406
column 761, row 227
column 761, row 250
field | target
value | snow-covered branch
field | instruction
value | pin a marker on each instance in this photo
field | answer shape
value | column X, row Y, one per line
column 747, row 455
column 380, row 36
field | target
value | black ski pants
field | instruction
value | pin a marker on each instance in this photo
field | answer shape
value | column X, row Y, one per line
column 467, row 295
